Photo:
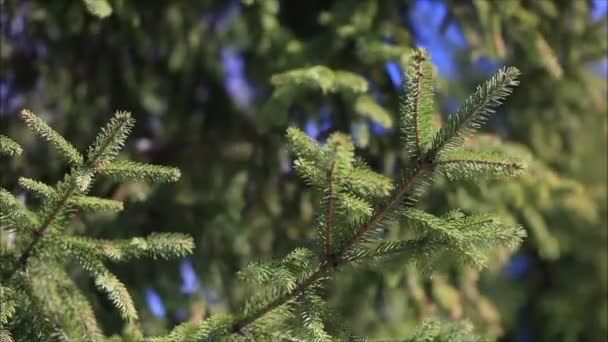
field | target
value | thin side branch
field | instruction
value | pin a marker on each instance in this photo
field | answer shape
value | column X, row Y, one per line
column 94, row 161
column 39, row 233
column 330, row 211
column 512, row 165
column 418, row 93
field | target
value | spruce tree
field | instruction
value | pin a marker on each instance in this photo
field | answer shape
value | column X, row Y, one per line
column 182, row 68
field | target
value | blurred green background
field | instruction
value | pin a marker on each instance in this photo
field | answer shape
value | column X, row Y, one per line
column 198, row 77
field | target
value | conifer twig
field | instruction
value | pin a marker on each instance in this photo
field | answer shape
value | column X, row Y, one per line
column 336, row 260
column 93, row 163
column 417, row 94
column 39, row 233
column 330, row 210
column 50, row 135
column 463, row 162
column 245, row 321
column 416, row 104
column 394, row 200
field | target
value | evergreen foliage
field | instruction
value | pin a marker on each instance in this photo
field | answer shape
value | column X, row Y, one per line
column 40, row 301
column 199, row 76
column 357, row 204
column 9, row 147
column 100, row 8
column 353, row 216
column 291, row 85
column 433, row 330
column 562, row 122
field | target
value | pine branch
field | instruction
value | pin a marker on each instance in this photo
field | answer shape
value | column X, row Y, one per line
column 87, row 203
column 50, row 135
column 310, row 172
column 388, row 248
column 13, row 214
column 311, row 312
column 39, row 233
column 47, row 296
column 466, row 236
column 105, row 281
column 245, row 321
column 60, row 301
column 318, row 77
column 106, row 146
column 115, row 289
column 9, row 147
column 352, row 208
column 301, row 144
column 338, row 259
column 416, row 110
column 258, row 273
column 367, row 183
column 393, row 202
column 110, row 140
column 423, row 168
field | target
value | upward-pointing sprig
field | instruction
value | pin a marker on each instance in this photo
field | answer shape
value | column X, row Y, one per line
column 43, row 247
column 417, row 110
column 350, row 227
column 65, row 149
column 475, row 110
